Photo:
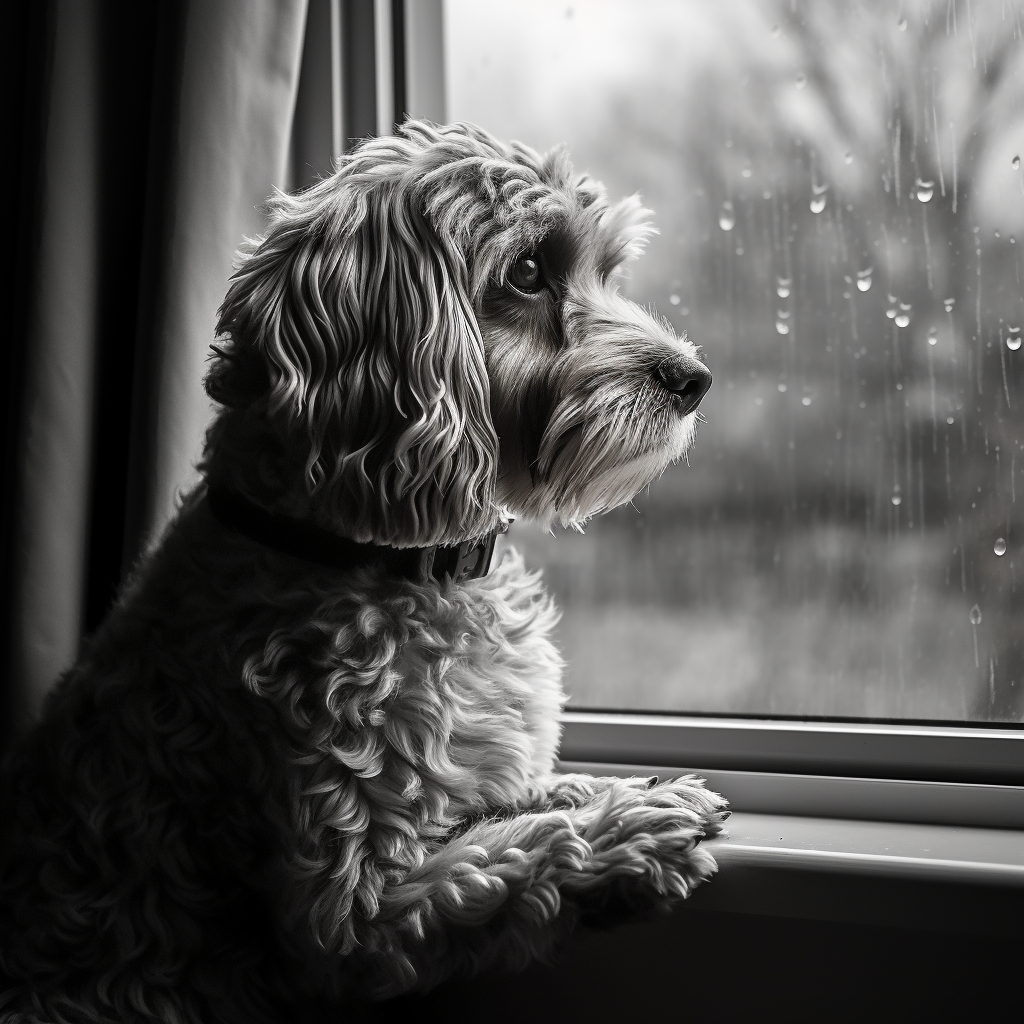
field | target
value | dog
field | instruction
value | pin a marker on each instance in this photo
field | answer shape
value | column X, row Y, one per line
column 310, row 755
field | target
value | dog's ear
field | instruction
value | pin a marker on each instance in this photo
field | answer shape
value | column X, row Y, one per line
column 350, row 325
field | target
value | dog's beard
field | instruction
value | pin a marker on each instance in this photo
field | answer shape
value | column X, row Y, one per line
column 591, row 466
column 585, row 432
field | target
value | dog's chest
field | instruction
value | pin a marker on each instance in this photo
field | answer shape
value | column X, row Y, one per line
column 452, row 691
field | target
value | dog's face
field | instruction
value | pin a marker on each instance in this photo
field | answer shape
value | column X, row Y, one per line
column 433, row 336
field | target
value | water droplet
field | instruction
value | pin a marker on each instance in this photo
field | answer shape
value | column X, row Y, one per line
column 746, row 172
column 864, row 279
column 674, row 299
column 949, row 420
column 933, row 335
column 902, row 320
column 782, row 388
column 727, row 218
column 1013, row 338
column 782, row 287
column 782, row 327
column 999, row 547
column 776, row 31
column 684, row 310
column 818, row 198
column 902, row 24
column 848, row 158
column 801, row 80
column 924, row 190
column 891, row 312
column 1015, row 163
column 948, row 305
column 975, row 616
column 806, row 400
column 896, row 499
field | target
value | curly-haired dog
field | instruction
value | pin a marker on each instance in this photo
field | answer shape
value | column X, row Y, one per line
column 310, row 755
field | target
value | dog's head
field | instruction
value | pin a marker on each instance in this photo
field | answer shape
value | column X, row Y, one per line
column 433, row 335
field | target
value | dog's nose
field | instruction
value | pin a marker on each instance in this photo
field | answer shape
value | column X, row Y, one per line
column 685, row 377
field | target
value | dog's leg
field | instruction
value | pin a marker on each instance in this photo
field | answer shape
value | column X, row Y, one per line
column 504, row 890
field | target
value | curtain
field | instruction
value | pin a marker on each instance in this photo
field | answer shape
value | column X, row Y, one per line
column 151, row 136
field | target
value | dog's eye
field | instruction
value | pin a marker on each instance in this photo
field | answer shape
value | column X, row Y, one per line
column 525, row 274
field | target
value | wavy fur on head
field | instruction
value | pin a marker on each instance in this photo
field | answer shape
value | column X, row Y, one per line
column 268, row 783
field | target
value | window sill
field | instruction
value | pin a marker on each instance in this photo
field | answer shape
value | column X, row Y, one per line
column 827, row 860
column 902, row 751
column 938, row 853
column 974, row 805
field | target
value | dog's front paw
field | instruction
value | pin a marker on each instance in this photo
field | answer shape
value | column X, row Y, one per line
column 645, row 844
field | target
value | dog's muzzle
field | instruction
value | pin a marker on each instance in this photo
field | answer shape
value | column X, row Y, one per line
column 688, row 380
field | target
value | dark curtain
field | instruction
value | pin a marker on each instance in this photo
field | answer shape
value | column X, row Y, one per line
column 146, row 136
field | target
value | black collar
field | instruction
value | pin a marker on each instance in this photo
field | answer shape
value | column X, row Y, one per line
column 466, row 561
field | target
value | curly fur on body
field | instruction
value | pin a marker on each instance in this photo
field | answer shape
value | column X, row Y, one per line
column 268, row 781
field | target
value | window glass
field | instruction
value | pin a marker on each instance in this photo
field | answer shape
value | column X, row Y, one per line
column 839, row 193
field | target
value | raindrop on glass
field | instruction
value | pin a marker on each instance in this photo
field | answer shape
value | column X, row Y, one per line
column 818, row 198
column 782, row 387
column 801, row 80
column 1013, row 338
column 902, row 320
column 924, row 190
column 727, row 218
column 776, row 31
column 782, row 327
column 782, row 287
column 896, row 499
column 674, row 299
column 975, row 616
column 933, row 335
column 746, row 172
column 949, row 420
column 902, row 24
column 848, row 158
column 948, row 305
column 999, row 547
column 864, row 279
column 806, row 400
column 1015, row 163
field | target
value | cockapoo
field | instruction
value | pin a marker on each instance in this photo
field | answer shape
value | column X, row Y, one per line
column 311, row 753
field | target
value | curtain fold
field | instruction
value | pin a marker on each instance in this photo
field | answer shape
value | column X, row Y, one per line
column 215, row 153
column 239, row 81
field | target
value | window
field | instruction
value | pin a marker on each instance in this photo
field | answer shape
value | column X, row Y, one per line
column 840, row 199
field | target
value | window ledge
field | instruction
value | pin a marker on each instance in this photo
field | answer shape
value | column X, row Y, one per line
column 829, row 858
column 937, row 878
column 938, row 853
column 976, row 805
column 926, row 753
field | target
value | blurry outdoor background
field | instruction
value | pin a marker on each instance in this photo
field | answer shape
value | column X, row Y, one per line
column 840, row 198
